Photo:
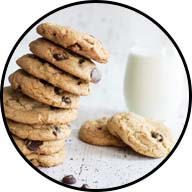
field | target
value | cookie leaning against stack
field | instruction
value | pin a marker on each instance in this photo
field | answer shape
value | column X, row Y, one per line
column 95, row 132
column 147, row 137
column 44, row 95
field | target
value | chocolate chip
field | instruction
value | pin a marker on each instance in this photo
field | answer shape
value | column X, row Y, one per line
column 58, row 91
column 33, row 145
column 75, row 46
column 79, row 82
column 100, row 128
column 85, row 186
column 56, row 131
column 57, row 128
column 67, row 100
column 157, row 136
column 95, row 75
column 69, row 179
column 81, row 61
column 60, row 57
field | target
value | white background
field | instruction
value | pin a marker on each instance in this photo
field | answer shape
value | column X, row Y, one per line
column 118, row 29
column 16, row 17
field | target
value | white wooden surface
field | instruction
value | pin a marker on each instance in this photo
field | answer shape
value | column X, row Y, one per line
column 118, row 29
column 103, row 167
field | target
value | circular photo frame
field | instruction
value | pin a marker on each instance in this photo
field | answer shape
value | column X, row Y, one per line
column 121, row 28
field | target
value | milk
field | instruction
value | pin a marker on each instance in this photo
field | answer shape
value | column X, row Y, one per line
column 153, row 83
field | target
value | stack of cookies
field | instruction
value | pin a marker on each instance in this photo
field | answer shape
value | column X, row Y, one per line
column 145, row 136
column 44, row 95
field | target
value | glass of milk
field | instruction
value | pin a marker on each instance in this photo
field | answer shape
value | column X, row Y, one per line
column 153, row 82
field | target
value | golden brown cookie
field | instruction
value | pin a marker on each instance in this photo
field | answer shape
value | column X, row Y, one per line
column 21, row 108
column 42, row 91
column 95, row 132
column 145, row 136
column 47, row 160
column 28, row 147
column 58, row 78
column 78, row 42
column 65, row 60
column 37, row 132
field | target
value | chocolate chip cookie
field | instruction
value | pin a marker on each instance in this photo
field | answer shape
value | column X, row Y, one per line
column 47, row 160
column 28, row 147
column 95, row 132
column 65, row 60
column 21, row 108
column 145, row 136
column 78, row 42
column 42, row 91
column 46, row 71
column 37, row 132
